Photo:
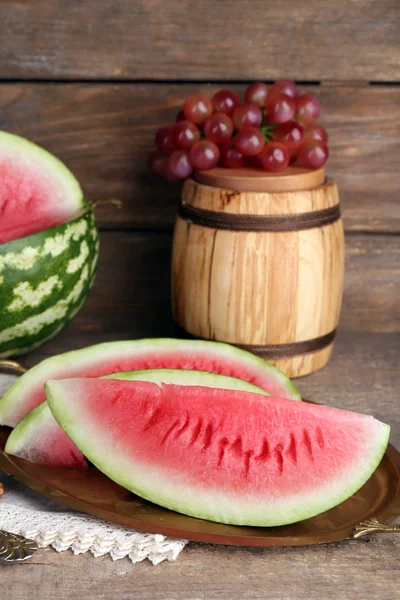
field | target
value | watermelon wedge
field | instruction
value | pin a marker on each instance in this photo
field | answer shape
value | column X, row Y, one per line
column 48, row 245
column 39, row 439
column 220, row 455
column 37, row 191
column 112, row 357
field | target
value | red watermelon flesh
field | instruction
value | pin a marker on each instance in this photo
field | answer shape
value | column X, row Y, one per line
column 136, row 355
column 217, row 454
column 36, row 190
column 38, row 438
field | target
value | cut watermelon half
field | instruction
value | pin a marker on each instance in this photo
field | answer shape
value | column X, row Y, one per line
column 48, row 246
column 216, row 454
column 103, row 359
column 39, row 439
column 37, row 191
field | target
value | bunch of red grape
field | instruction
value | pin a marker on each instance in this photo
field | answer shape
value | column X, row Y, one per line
column 273, row 128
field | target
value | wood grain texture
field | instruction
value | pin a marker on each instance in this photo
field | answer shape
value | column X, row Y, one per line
column 261, row 203
column 131, row 295
column 145, row 39
column 259, row 288
column 103, row 132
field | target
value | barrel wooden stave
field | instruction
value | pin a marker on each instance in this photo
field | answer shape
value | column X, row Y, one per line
column 262, row 288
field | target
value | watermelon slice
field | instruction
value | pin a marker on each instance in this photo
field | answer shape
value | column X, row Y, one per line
column 112, row 357
column 37, row 191
column 39, row 439
column 220, row 455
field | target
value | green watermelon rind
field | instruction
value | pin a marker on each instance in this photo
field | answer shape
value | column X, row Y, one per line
column 186, row 377
column 45, row 278
column 153, row 484
column 38, row 419
column 49, row 163
column 61, row 364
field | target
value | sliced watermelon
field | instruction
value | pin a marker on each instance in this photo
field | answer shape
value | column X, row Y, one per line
column 218, row 454
column 103, row 359
column 37, row 191
column 39, row 439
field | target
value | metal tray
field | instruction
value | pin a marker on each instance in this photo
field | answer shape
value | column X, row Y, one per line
column 92, row 492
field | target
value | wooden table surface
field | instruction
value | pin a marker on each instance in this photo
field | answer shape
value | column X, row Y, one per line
column 91, row 81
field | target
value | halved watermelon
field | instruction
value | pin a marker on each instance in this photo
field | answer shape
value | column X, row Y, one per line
column 158, row 353
column 39, row 439
column 37, row 191
column 218, row 454
column 48, row 246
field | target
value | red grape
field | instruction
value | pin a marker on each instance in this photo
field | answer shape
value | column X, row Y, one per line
column 316, row 132
column 247, row 114
column 255, row 162
column 307, row 109
column 197, row 108
column 164, row 140
column 180, row 116
column 231, row 157
column 225, row 101
column 275, row 157
column 314, row 154
column 204, row 155
column 283, row 86
column 179, row 164
column 169, row 176
column 218, row 128
column 280, row 108
column 291, row 134
column 249, row 141
column 256, row 93
column 185, row 134
column 158, row 162
column 294, row 155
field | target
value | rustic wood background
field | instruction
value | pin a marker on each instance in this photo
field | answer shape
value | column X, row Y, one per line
column 91, row 81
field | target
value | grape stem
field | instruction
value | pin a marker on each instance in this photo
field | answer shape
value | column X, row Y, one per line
column 268, row 131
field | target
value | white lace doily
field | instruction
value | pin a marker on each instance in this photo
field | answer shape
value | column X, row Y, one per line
column 26, row 513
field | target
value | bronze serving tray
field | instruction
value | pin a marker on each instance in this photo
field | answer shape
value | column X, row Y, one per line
column 92, row 492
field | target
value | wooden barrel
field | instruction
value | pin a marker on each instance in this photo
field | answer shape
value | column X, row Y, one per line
column 258, row 262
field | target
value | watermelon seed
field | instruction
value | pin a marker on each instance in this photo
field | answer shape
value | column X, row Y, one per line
column 154, row 417
column 292, row 450
column 196, row 431
column 182, row 429
column 279, row 457
column 170, row 430
column 117, row 398
column 307, row 443
column 208, row 436
column 223, row 443
column 320, row 438
column 264, row 454
column 247, row 458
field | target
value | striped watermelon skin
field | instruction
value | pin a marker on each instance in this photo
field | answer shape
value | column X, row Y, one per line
column 44, row 281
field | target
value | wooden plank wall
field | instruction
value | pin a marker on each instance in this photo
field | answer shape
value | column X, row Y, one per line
column 212, row 40
column 91, row 81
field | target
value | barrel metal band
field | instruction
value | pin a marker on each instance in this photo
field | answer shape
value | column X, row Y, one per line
column 233, row 222
column 279, row 351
